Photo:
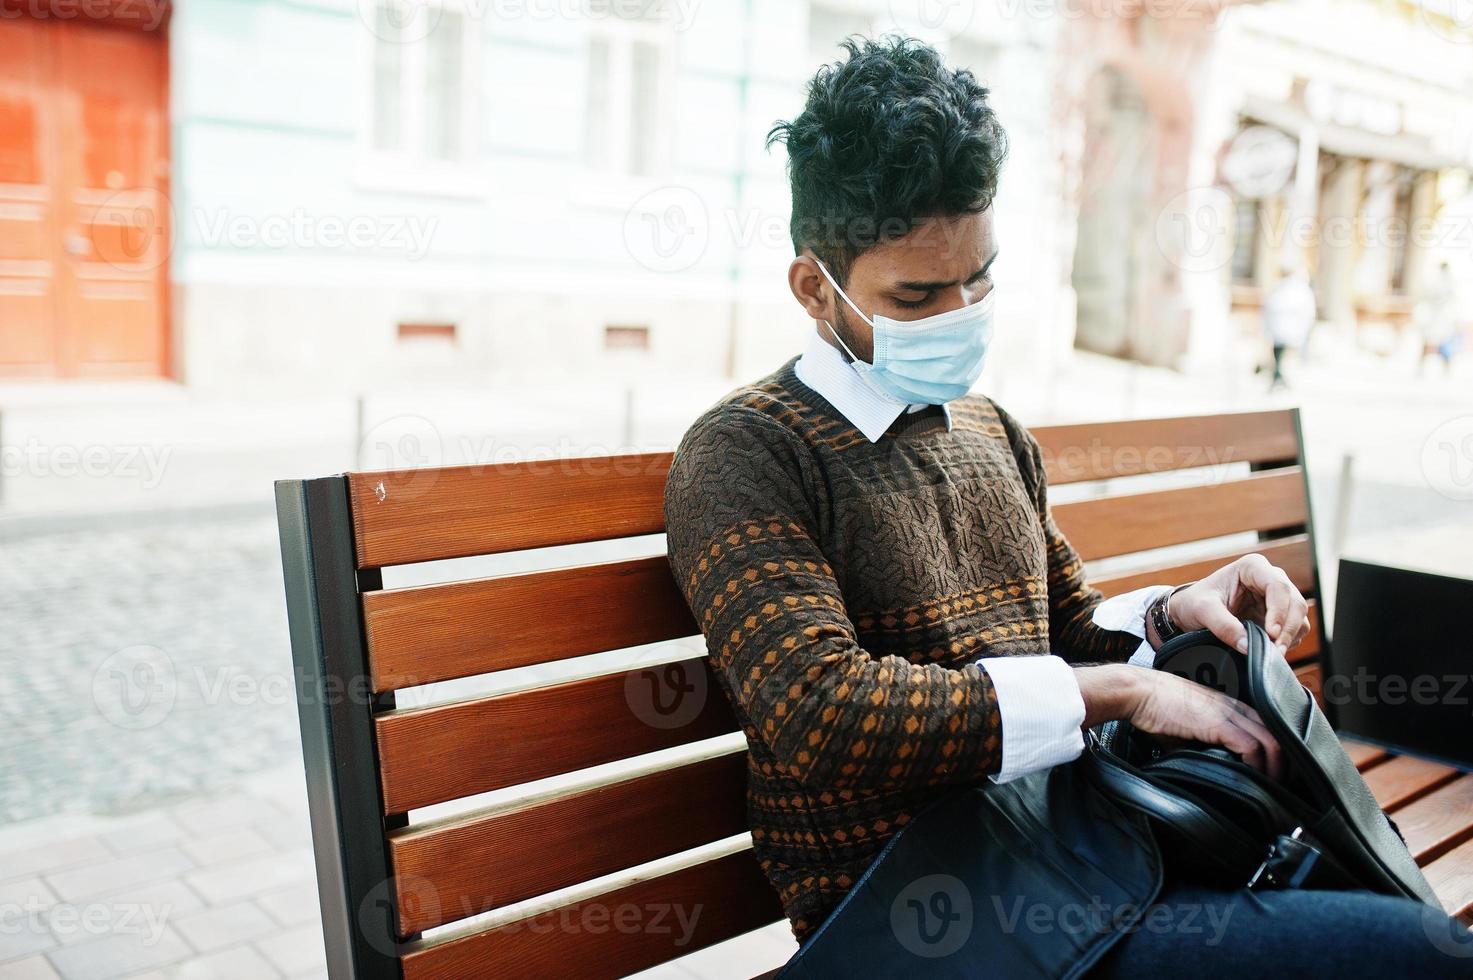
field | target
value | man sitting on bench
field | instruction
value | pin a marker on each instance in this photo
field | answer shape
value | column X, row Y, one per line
column 869, row 552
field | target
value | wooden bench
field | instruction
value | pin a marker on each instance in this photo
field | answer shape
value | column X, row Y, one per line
column 595, row 745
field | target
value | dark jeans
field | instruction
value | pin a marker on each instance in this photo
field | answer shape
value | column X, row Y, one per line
column 1200, row 932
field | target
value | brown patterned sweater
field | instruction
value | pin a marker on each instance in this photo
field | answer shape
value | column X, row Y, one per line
column 845, row 589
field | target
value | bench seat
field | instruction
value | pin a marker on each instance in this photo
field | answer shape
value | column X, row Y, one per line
column 1432, row 805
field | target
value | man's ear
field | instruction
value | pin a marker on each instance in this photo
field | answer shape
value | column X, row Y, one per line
column 810, row 288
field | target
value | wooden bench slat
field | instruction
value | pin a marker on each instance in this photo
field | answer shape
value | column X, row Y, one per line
column 440, row 632
column 406, row 516
column 1309, row 676
column 1363, row 754
column 1135, row 522
column 1291, row 553
column 1308, row 648
column 1094, row 451
column 434, row 633
column 447, row 872
column 430, row 755
column 615, row 934
column 1451, row 877
column 1401, row 780
column 1439, row 821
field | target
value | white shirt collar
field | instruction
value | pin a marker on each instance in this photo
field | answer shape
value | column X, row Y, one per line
column 872, row 412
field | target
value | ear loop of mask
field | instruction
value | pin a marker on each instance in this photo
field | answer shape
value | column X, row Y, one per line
column 840, row 290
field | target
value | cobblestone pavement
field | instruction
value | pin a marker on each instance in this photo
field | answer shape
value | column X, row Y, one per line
column 218, row 886
column 141, row 665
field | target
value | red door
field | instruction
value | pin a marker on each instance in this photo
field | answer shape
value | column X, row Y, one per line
column 28, row 342
column 84, row 231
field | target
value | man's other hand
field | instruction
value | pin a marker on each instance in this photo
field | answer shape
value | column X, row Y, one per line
column 1249, row 588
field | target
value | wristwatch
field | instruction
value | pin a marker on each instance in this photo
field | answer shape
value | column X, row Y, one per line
column 1159, row 615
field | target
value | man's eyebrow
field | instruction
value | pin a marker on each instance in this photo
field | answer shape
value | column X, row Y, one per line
column 926, row 287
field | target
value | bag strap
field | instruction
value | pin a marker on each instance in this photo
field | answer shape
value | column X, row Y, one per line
column 1293, row 860
column 1218, row 838
column 1280, row 810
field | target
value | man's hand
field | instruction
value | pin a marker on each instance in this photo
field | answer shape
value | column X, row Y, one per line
column 1164, row 704
column 1167, row 705
column 1249, row 588
column 1179, row 708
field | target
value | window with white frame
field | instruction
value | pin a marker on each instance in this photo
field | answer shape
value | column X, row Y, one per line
column 630, row 59
column 423, row 92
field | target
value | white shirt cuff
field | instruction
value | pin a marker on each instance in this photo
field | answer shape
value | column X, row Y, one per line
column 1126, row 613
column 1042, row 711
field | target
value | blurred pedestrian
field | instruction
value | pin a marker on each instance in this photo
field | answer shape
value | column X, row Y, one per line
column 1438, row 312
column 1288, row 313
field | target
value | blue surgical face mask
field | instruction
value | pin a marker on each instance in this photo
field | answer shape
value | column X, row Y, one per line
column 933, row 360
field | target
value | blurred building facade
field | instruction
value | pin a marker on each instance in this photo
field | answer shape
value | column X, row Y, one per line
column 357, row 193
column 1218, row 148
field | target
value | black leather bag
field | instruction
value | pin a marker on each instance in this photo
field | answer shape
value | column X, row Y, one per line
column 1221, row 822
column 1036, row 877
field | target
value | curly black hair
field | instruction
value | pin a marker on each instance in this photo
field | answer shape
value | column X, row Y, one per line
column 888, row 136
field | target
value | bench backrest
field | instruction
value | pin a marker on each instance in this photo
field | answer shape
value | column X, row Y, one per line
column 536, row 877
